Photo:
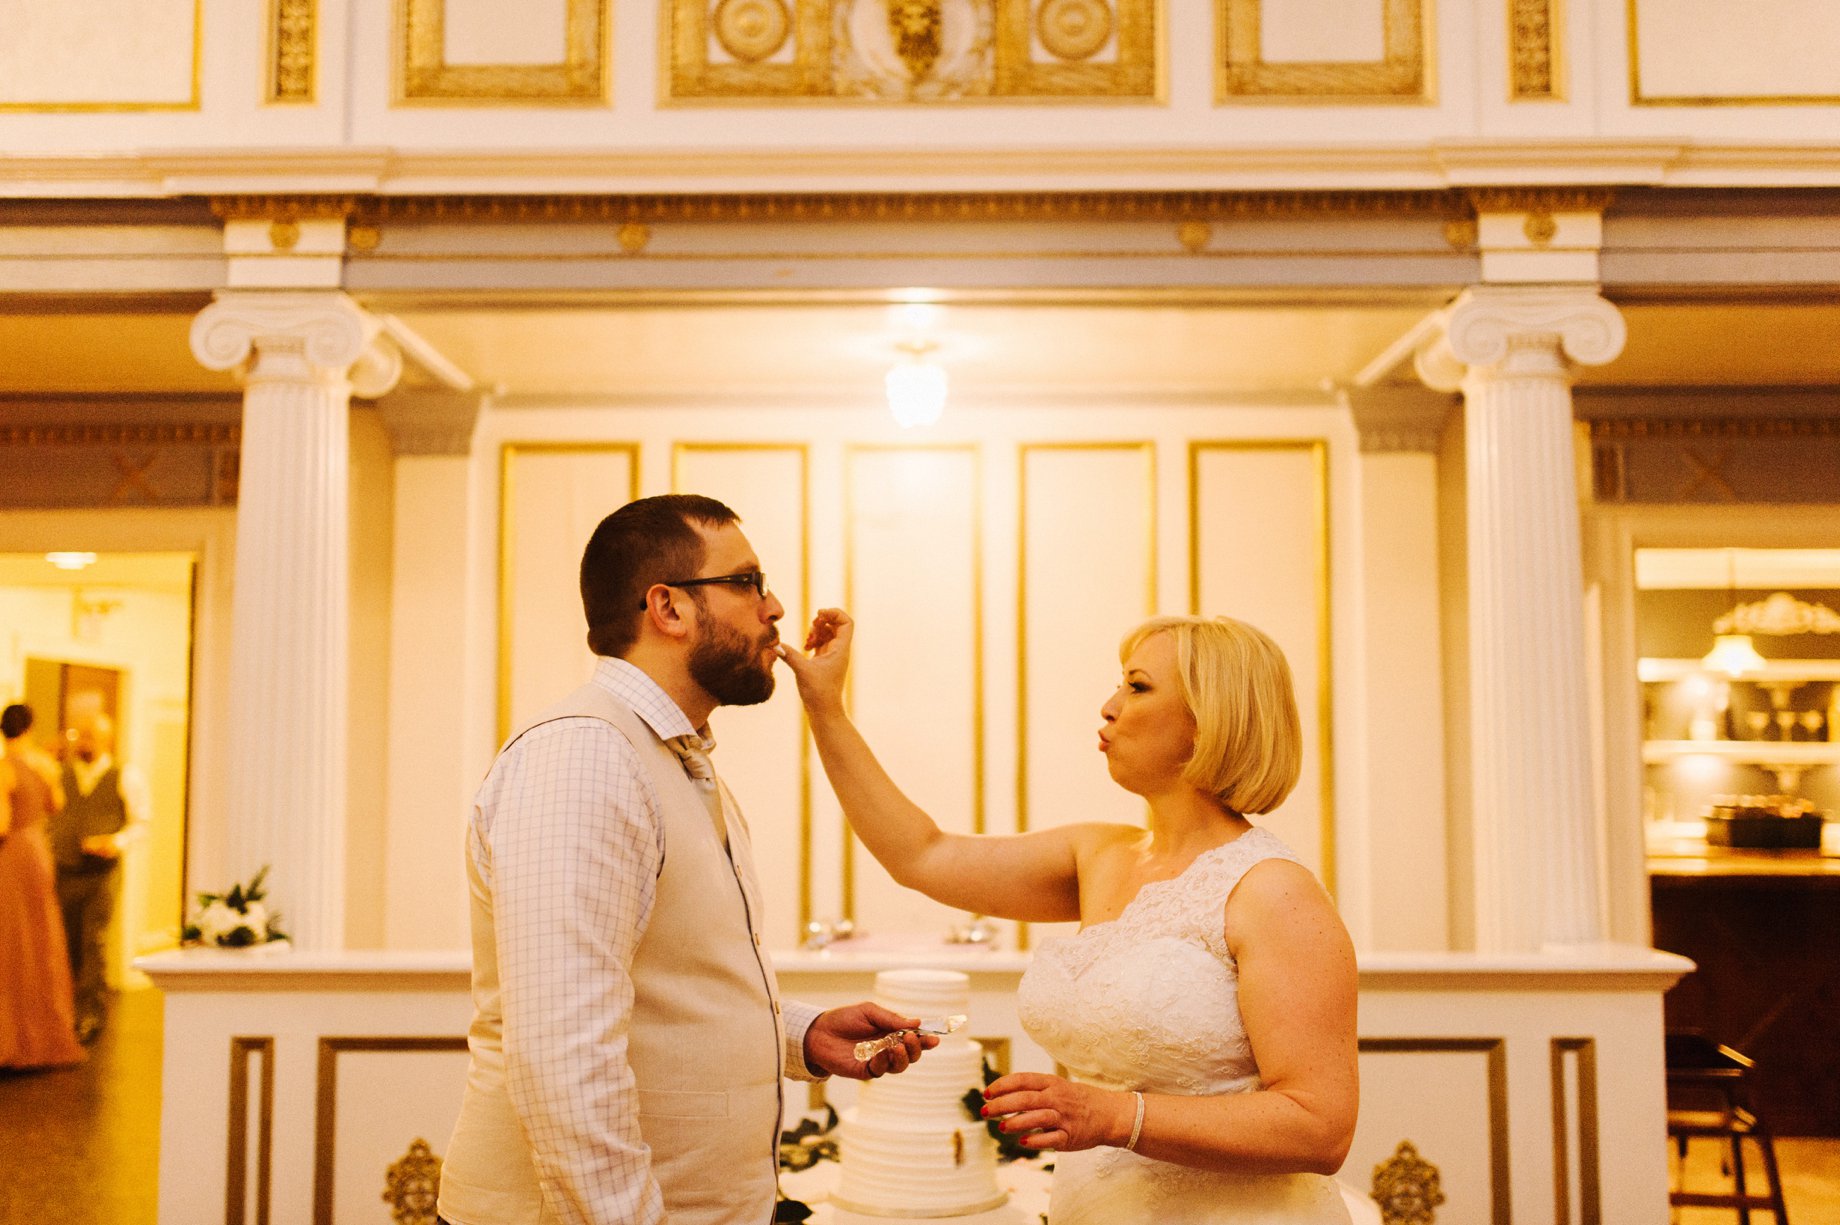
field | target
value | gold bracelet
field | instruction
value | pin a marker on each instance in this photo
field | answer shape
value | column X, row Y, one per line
column 1137, row 1125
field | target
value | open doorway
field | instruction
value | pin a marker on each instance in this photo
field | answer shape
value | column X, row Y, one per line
column 110, row 634
column 1739, row 663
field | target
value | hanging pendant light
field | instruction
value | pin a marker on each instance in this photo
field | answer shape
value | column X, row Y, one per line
column 1733, row 654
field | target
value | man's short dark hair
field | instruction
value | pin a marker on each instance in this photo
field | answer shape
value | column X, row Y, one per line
column 15, row 721
column 652, row 540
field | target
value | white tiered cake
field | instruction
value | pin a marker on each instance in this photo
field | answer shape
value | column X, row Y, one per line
column 909, row 1148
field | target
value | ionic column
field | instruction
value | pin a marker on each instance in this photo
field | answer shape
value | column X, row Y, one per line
column 1536, row 858
column 306, row 353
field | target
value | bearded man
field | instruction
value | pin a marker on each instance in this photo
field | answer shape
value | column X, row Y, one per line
column 628, row 1040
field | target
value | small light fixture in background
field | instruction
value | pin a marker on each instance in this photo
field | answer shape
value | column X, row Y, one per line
column 1733, row 654
column 71, row 561
column 916, row 386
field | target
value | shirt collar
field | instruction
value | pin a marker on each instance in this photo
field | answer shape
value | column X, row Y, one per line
column 649, row 701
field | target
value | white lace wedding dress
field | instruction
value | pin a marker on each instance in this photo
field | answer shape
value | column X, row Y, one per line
column 1150, row 1001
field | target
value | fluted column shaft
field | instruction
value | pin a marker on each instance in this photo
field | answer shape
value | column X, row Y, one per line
column 290, row 629
column 1537, row 864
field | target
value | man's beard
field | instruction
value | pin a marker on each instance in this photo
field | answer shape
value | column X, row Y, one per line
column 730, row 668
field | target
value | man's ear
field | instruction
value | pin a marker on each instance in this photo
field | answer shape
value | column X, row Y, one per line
column 664, row 613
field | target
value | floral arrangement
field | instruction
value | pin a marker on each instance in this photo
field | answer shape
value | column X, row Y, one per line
column 236, row 919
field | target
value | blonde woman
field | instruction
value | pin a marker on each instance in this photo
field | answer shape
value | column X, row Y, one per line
column 1206, row 1006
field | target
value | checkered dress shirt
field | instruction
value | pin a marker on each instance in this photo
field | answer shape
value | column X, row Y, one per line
column 566, row 835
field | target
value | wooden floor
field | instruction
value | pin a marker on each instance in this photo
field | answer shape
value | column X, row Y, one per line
column 82, row 1146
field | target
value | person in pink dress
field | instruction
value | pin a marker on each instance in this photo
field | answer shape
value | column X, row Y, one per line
column 37, row 1017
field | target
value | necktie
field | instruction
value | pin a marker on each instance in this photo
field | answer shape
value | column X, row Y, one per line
column 693, row 752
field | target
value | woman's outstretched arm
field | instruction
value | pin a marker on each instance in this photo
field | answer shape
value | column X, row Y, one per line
column 1031, row 876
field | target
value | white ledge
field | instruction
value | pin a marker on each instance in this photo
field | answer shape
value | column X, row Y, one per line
column 1605, row 967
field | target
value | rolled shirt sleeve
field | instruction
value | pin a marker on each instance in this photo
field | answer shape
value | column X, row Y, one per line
column 572, row 844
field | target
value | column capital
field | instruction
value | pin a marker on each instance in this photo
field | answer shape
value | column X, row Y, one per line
column 1485, row 323
column 313, row 336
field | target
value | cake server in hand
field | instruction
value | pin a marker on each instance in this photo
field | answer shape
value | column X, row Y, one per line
column 866, row 1051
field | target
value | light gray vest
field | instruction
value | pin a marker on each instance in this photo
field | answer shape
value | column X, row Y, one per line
column 706, row 1043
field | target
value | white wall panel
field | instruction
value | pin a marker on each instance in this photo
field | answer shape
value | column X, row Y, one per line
column 761, row 749
column 552, row 495
column 1713, row 50
column 98, row 54
column 1260, row 553
column 1087, row 575
column 913, row 555
column 491, row 32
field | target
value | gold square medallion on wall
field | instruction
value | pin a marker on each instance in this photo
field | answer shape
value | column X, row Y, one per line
column 912, row 51
column 423, row 77
column 1401, row 74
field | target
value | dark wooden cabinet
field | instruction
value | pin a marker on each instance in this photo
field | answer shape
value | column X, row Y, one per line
column 1764, row 930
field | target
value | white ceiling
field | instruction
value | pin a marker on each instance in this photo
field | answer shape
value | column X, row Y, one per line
column 599, row 348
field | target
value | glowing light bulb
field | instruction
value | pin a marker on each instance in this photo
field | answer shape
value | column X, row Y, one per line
column 916, row 391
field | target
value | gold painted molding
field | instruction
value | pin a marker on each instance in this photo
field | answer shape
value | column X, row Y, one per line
column 924, row 52
column 423, row 77
column 1540, row 199
column 212, row 434
column 1590, row 1181
column 325, row 1102
column 236, row 1175
column 1536, row 46
column 507, row 563
column 1176, row 207
column 192, row 103
column 803, row 451
column 1407, row 1187
column 1403, row 75
column 1318, row 450
column 293, row 37
column 1715, row 427
column 1495, row 1051
column 412, row 1185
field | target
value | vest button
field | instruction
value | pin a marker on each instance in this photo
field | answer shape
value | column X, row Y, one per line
column 756, row 939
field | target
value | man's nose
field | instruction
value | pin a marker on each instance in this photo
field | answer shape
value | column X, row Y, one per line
column 772, row 608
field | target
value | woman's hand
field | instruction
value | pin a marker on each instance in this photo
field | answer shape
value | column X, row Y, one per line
column 1059, row 1114
column 820, row 671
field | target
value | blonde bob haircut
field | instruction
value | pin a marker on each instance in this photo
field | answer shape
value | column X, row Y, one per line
column 1248, row 738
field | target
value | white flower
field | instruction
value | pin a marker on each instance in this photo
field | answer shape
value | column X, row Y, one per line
column 218, row 923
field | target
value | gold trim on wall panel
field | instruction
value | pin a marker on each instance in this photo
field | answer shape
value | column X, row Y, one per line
column 190, row 104
column 1023, row 451
column 978, row 774
column 1638, row 98
column 325, row 1103
column 1325, row 688
column 423, row 77
column 293, row 35
column 507, row 568
column 236, row 1169
column 1590, row 1192
column 781, row 51
column 1536, row 51
column 803, row 450
column 1496, row 1050
column 1403, row 75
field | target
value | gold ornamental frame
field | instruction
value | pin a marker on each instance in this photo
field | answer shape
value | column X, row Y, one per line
column 423, row 77
column 1403, row 75
column 193, row 102
column 688, row 75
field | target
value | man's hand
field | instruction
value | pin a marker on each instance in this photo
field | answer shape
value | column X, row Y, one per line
column 102, row 846
column 1050, row 1112
column 831, row 1041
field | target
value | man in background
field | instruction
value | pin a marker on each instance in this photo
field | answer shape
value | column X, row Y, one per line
column 105, row 806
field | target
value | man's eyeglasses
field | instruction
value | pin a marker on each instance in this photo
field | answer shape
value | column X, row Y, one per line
column 750, row 578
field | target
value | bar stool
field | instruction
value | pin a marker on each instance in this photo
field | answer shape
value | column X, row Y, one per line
column 1709, row 1097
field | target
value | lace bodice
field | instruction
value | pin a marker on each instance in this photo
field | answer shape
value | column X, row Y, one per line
column 1150, row 1000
